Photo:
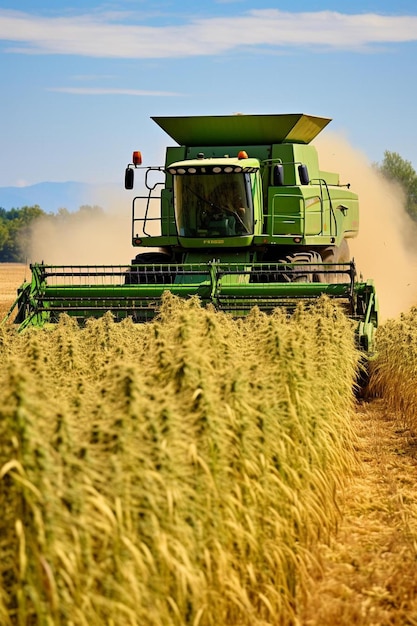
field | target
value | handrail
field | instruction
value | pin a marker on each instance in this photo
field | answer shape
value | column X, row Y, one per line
column 320, row 183
column 323, row 183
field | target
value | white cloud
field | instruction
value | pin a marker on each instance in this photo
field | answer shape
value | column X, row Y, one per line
column 99, row 91
column 105, row 36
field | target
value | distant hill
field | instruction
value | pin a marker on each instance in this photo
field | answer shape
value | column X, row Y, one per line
column 53, row 196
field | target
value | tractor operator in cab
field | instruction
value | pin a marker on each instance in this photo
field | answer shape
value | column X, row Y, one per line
column 224, row 213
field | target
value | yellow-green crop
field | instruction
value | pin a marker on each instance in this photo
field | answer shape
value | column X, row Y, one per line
column 394, row 372
column 172, row 473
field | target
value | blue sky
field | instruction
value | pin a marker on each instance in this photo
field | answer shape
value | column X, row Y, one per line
column 81, row 79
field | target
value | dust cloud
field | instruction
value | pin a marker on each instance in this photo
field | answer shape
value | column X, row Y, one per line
column 385, row 249
column 101, row 237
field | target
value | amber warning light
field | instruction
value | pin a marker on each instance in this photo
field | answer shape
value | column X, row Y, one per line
column 137, row 158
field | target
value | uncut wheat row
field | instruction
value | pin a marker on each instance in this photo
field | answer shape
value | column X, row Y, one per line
column 177, row 472
column 394, row 371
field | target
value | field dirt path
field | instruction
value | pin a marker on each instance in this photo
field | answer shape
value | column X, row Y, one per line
column 368, row 573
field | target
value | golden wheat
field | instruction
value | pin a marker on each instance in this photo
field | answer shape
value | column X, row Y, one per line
column 172, row 473
column 394, row 372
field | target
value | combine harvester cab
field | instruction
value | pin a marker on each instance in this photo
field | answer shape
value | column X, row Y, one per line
column 242, row 217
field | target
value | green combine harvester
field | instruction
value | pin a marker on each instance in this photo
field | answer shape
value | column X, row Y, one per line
column 242, row 216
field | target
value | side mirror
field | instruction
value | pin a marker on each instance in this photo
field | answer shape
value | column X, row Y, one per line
column 129, row 178
column 278, row 175
column 303, row 174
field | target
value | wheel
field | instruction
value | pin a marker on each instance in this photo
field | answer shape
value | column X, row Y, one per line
column 293, row 275
column 334, row 255
column 151, row 269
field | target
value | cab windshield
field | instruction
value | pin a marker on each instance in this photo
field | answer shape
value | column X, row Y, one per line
column 215, row 205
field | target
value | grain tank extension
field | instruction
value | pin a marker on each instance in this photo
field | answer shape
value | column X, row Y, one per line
column 241, row 215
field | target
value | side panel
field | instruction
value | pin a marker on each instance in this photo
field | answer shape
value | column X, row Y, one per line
column 346, row 211
column 298, row 211
column 285, row 212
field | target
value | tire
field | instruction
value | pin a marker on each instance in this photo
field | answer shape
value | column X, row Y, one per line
column 334, row 255
column 141, row 274
column 310, row 258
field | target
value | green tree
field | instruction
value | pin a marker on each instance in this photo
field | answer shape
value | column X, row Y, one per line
column 4, row 233
column 397, row 169
column 15, row 230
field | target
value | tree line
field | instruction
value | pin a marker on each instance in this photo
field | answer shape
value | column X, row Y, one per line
column 16, row 224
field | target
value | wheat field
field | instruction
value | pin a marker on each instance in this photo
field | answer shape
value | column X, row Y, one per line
column 394, row 371
column 175, row 472
column 11, row 276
